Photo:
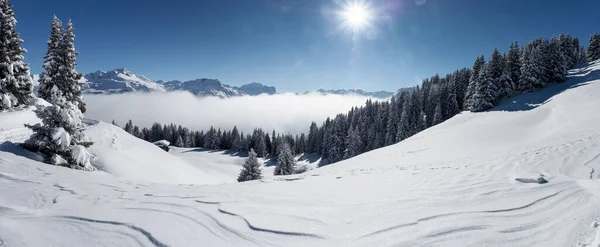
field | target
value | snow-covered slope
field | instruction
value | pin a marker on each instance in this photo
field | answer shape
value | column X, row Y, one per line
column 126, row 156
column 256, row 88
column 118, row 81
column 470, row 181
column 203, row 87
column 224, row 166
column 357, row 92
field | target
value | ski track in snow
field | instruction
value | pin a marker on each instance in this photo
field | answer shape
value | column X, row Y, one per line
column 456, row 184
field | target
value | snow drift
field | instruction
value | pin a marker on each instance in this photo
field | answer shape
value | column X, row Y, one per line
column 126, row 156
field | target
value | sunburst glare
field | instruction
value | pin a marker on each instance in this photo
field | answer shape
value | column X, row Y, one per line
column 357, row 16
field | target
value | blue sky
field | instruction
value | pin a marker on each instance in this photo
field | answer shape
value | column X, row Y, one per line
column 296, row 45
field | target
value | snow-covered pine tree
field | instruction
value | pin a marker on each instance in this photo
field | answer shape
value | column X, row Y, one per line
column 251, row 168
column 260, row 145
column 461, row 82
column 68, row 71
column 313, row 133
column 437, row 115
column 16, row 87
column 477, row 66
column 60, row 135
column 353, row 144
column 392, row 122
column 451, row 107
column 285, row 161
column 581, row 56
column 179, row 142
column 129, row 127
column 507, row 83
column 483, row 99
column 593, row 52
column 558, row 64
column 496, row 66
column 52, row 61
column 530, row 71
column 404, row 127
column 513, row 63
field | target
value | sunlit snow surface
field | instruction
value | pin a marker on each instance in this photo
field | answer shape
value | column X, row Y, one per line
column 452, row 185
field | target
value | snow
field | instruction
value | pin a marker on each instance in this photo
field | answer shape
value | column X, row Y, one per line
column 126, row 156
column 452, row 185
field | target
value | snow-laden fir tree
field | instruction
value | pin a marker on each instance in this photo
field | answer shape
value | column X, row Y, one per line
column 581, row 56
column 530, row 70
column 250, row 169
column 392, row 122
column 60, row 137
column 68, row 71
column 285, row 160
column 593, row 52
column 477, row 66
column 513, row 62
column 483, row 99
column 404, row 127
column 506, row 82
column 558, row 61
column 16, row 86
column 52, row 61
column 353, row 143
column 179, row 142
column 437, row 115
column 496, row 66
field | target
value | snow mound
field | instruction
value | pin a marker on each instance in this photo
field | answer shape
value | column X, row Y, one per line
column 121, row 154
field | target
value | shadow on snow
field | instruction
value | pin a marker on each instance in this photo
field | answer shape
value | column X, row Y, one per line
column 523, row 102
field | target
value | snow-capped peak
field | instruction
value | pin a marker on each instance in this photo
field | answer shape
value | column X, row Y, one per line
column 119, row 81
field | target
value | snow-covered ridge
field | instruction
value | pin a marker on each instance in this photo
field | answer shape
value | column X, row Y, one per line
column 118, row 81
column 124, row 81
column 355, row 92
column 256, row 88
column 203, row 87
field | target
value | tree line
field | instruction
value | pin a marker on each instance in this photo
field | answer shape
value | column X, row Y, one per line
column 381, row 123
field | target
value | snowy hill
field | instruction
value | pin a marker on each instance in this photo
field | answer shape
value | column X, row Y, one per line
column 203, row 87
column 256, row 88
column 357, row 92
column 470, row 181
column 118, row 81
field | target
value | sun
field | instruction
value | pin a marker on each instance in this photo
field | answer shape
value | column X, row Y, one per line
column 356, row 15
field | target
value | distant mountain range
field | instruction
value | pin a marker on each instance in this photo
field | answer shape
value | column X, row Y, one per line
column 123, row 81
column 358, row 92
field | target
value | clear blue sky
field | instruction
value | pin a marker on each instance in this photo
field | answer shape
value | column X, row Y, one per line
column 296, row 45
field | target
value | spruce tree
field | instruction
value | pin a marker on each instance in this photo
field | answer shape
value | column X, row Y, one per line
column 530, row 71
column 60, row 137
column 593, row 52
column 477, row 66
column 353, row 144
column 581, row 56
column 513, row 64
column 52, row 61
column 483, row 99
column 392, row 122
column 285, row 161
column 16, row 87
column 496, row 67
column 67, row 71
column 251, row 168
column 558, row 63
column 179, row 142
column 437, row 115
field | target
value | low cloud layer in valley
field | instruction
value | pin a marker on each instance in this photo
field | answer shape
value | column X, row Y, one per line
column 284, row 112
